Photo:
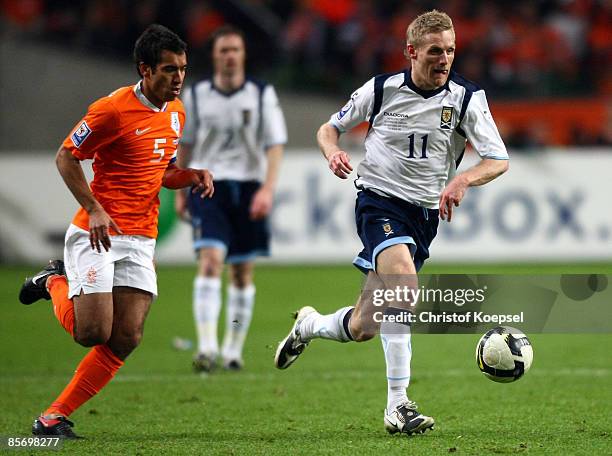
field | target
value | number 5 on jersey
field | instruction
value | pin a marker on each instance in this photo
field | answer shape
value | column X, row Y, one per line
column 158, row 151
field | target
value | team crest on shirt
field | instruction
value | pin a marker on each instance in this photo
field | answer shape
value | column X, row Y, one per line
column 446, row 119
column 175, row 123
column 80, row 134
column 387, row 229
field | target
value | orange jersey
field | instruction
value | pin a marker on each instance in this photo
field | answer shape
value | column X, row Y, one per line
column 132, row 142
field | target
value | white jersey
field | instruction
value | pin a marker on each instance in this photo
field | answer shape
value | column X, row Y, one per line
column 416, row 138
column 230, row 132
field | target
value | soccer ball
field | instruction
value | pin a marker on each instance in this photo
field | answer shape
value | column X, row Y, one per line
column 504, row 354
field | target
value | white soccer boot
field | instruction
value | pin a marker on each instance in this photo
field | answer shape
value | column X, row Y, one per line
column 292, row 346
column 405, row 418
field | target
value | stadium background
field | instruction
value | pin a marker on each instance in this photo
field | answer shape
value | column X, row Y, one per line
column 546, row 68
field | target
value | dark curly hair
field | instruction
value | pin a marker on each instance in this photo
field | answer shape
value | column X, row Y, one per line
column 155, row 39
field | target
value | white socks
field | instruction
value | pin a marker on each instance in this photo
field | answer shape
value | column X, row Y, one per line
column 206, row 307
column 333, row 326
column 240, row 302
column 395, row 339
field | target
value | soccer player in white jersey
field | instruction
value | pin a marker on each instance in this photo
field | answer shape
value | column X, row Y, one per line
column 419, row 121
column 236, row 126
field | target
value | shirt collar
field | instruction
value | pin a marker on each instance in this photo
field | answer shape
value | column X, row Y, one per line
column 144, row 100
column 424, row 93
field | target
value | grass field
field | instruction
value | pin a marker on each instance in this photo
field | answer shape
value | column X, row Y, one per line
column 329, row 402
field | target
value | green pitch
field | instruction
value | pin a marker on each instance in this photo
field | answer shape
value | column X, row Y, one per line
column 329, row 402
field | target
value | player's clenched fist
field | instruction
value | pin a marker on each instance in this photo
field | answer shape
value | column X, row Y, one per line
column 200, row 179
column 339, row 163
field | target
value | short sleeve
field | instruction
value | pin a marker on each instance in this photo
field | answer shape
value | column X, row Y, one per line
column 99, row 127
column 274, row 127
column 357, row 110
column 189, row 133
column 481, row 130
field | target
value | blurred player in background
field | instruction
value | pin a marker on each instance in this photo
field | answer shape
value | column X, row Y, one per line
column 419, row 120
column 132, row 136
column 236, row 129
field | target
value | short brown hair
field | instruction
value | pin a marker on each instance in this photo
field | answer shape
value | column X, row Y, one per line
column 433, row 21
column 226, row 30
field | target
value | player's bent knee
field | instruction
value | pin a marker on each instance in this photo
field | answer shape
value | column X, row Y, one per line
column 125, row 344
column 401, row 268
column 91, row 336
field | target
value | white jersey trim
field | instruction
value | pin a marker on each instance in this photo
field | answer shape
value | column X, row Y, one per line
column 145, row 101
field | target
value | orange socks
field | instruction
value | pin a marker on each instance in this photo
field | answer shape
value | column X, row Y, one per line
column 92, row 374
column 95, row 370
column 63, row 308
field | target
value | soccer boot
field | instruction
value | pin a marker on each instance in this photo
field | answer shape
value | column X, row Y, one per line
column 405, row 418
column 35, row 287
column 233, row 365
column 59, row 427
column 292, row 346
column 203, row 363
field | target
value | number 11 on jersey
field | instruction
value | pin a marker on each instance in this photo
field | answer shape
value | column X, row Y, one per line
column 423, row 146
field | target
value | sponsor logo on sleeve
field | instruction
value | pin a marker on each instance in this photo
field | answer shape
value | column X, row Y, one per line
column 80, row 134
column 446, row 119
column 346, row 108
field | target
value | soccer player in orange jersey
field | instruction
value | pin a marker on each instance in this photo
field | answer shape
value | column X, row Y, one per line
column 103, row 294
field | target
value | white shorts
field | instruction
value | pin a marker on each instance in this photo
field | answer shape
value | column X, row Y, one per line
column 128, row 263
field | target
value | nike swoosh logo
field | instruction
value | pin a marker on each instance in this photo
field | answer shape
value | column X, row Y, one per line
column 140, row 132
column 35, row 278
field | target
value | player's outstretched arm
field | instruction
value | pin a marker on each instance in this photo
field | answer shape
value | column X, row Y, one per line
column 338, row 160
column 485, row 171
column 99, row 221
column 201, row 180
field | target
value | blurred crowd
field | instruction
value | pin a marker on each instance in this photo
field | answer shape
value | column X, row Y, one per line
column 523, row 49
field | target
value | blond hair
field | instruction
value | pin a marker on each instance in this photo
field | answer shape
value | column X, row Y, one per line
column 433, row 21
